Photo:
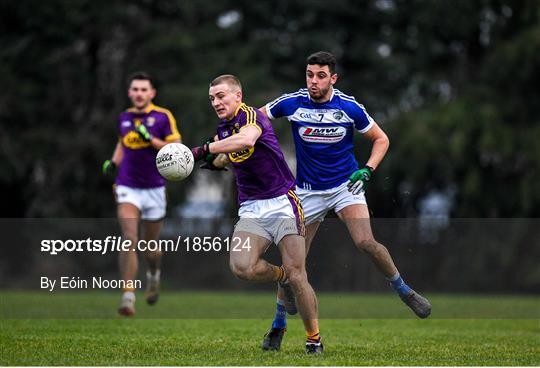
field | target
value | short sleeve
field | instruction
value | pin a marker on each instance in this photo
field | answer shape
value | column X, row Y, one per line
column 362, row 120
column 250, row 118
column 284, row 105
column 170, row 129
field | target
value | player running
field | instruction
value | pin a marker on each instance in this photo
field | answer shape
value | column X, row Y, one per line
column 269, row 209
column 139, row 189
column 323, row 120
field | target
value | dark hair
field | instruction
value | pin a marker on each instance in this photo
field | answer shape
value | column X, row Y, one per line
column 323, row 58
column 140, row 75
column 227, row 78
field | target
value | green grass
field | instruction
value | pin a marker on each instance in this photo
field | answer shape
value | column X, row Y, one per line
column 27, row 337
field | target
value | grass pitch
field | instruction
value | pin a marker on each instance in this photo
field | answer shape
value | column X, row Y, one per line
column 82, row 329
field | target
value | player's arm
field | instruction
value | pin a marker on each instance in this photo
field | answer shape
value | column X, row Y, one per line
column 263, row 110
column 212, row 152
column 380, row 144
column 109, row 166
column 221, row 160
column 359, row 179
column 216, row 162
column 245, row 138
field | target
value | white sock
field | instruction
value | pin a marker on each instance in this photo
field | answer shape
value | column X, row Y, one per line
column 129, row 295
column 154, row 277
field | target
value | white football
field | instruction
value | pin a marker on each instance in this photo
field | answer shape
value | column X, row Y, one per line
column 174, row 161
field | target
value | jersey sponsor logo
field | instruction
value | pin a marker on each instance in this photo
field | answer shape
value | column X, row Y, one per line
column 322, row 135
column 241, row 155
column 134, row 141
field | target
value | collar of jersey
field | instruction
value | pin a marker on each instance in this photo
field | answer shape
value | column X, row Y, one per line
column 148, row 108
column 236, row 112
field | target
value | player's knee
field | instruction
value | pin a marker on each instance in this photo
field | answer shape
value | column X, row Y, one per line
column 296, row 275
column 132, row 245
column 133, row 240
column 242, row 270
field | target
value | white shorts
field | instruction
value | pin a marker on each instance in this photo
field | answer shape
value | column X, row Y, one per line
column 317, row 203
column 273, row 218
column 151, row 202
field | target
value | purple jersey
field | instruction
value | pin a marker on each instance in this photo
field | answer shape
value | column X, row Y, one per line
column 138, row 167
column 261, row 171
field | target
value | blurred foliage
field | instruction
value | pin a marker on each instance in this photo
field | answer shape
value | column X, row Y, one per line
column 455, row 84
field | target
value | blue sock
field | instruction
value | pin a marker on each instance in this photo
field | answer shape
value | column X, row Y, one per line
column 399, row 285
column 280, row 320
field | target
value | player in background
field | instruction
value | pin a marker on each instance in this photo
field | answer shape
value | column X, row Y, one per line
column 139, row 189
column 323, row 120
column 270, row 210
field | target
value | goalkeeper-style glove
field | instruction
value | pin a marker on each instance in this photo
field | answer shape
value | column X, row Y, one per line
column 143, row 133
column 359, row 179
column 203, row 152
column 108, row 168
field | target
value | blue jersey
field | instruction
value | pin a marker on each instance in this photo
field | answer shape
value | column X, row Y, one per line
column 323, row 136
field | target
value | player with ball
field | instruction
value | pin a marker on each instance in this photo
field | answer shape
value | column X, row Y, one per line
column 139, row 190
column 270, row 210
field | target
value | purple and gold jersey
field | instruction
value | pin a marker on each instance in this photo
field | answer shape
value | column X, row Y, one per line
column 261, row 171
column 138, row 167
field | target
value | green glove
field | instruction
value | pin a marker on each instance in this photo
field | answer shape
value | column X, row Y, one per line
column 143, row 133
column 359, row 179
column 108, row 168
column 202, row 152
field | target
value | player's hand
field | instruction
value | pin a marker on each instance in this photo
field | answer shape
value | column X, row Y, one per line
column 216, row 162
column 143, row 133
column 199, row 152
column 203, row 152
column 359, row 179
column 209, row 165
column 108, row 168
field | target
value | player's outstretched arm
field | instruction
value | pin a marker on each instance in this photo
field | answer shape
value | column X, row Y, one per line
column 246, row 138
column 212, row 161
column 212, row 151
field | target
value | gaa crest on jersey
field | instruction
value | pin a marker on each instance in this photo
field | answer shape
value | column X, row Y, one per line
column 331, row 134
column 241, row 155
column 338, row 115
column 150, row 121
